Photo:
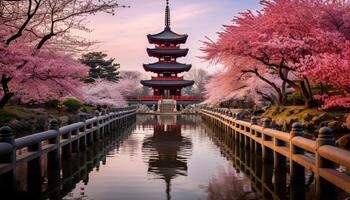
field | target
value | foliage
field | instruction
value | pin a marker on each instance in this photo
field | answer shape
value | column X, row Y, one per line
column 6, row 115
column 294, row 98
column 53, row 103
column 100, row 67
column 72, row 104
column 290, row 41
column 12, row 112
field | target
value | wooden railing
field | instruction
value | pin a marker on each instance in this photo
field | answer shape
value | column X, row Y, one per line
column 57, row 143
column 166, row 78
column 320, row 156
column 185, row 98
column 157, row 98
column 62, row 180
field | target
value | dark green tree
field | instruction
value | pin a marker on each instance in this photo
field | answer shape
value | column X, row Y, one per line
column 100, row 67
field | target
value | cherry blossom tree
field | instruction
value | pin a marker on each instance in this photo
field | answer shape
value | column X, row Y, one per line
column 36, row 40
column 226, row 86
column 109, row 93
column 47, row 75
column 290, row 41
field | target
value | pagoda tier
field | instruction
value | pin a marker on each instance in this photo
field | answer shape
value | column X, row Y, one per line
column 167, row 83
column 174, row 53
column 167, row 67
column 167, row 36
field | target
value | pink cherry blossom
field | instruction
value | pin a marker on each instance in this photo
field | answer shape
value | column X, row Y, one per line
column 109, row 93
column 292, row 42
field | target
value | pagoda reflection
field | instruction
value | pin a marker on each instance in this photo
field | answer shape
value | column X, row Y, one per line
column 167, row 150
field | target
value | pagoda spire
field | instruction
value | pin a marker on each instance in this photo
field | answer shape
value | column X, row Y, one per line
column 167, row 15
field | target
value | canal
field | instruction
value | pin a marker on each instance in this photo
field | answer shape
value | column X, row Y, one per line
column 162, row 157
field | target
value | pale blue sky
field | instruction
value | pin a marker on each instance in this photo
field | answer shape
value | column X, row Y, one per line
column 123, row 35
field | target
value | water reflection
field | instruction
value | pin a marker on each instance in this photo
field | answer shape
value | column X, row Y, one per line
column 162, row 157
column 35, row 181
column 229, row 184
column 167, row 150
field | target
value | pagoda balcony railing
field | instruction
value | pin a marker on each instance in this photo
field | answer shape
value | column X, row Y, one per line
column 185, row 98
column 150, row 98
column 167, row 61
column 157, row 98
column 167, row 47
column 167, row 78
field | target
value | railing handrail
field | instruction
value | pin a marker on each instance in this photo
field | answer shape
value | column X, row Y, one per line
column 35, row 138
column 70, row 127
column 336, row 155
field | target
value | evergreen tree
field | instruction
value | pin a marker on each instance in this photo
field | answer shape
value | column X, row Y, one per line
column 100, row 67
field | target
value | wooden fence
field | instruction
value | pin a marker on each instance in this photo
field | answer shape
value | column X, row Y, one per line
column 57, row 143
column 319, row 156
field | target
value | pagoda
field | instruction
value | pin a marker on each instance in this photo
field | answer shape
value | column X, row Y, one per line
column 167, row 84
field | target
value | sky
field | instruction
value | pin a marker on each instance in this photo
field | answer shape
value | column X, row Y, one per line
column 123, row 35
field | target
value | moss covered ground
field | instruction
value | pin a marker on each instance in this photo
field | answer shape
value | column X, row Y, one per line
column 287, row 113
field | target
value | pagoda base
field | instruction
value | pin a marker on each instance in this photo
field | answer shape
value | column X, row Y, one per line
column 167, row 106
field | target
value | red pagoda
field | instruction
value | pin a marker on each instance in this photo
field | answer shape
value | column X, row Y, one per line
column 167, row 84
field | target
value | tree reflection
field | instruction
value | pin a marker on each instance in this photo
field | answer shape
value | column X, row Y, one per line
column 167, row 152
column 229, row 185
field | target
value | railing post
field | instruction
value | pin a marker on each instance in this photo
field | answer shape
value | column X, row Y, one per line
column 108, row 113
column 324, row 189
column 54, row 157
column 8, row 180
column 297, row 171
column 98, row 132
column 237, row 126
column 254, row 122
column 266, row 152
column 84, row 139
column 34, row 170
column 279, row 160
column 280, row 170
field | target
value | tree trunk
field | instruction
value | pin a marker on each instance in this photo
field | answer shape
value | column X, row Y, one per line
column 5, row 99
column 7, row 95
column 307, row 95
column 281, row 99
column 303, row 88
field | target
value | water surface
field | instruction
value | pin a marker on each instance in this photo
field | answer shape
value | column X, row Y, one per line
column 165, row 157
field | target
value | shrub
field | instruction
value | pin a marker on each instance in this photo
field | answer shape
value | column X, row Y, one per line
column 7, row 115
column 72, row 104
column 52, row 104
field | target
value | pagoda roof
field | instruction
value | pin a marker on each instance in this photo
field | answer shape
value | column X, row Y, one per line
column 167, row 67
column 167, row 83
column 167, row 52
column 167, row 36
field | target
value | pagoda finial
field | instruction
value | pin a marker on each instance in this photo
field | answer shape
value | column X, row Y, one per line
column 167, row 15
